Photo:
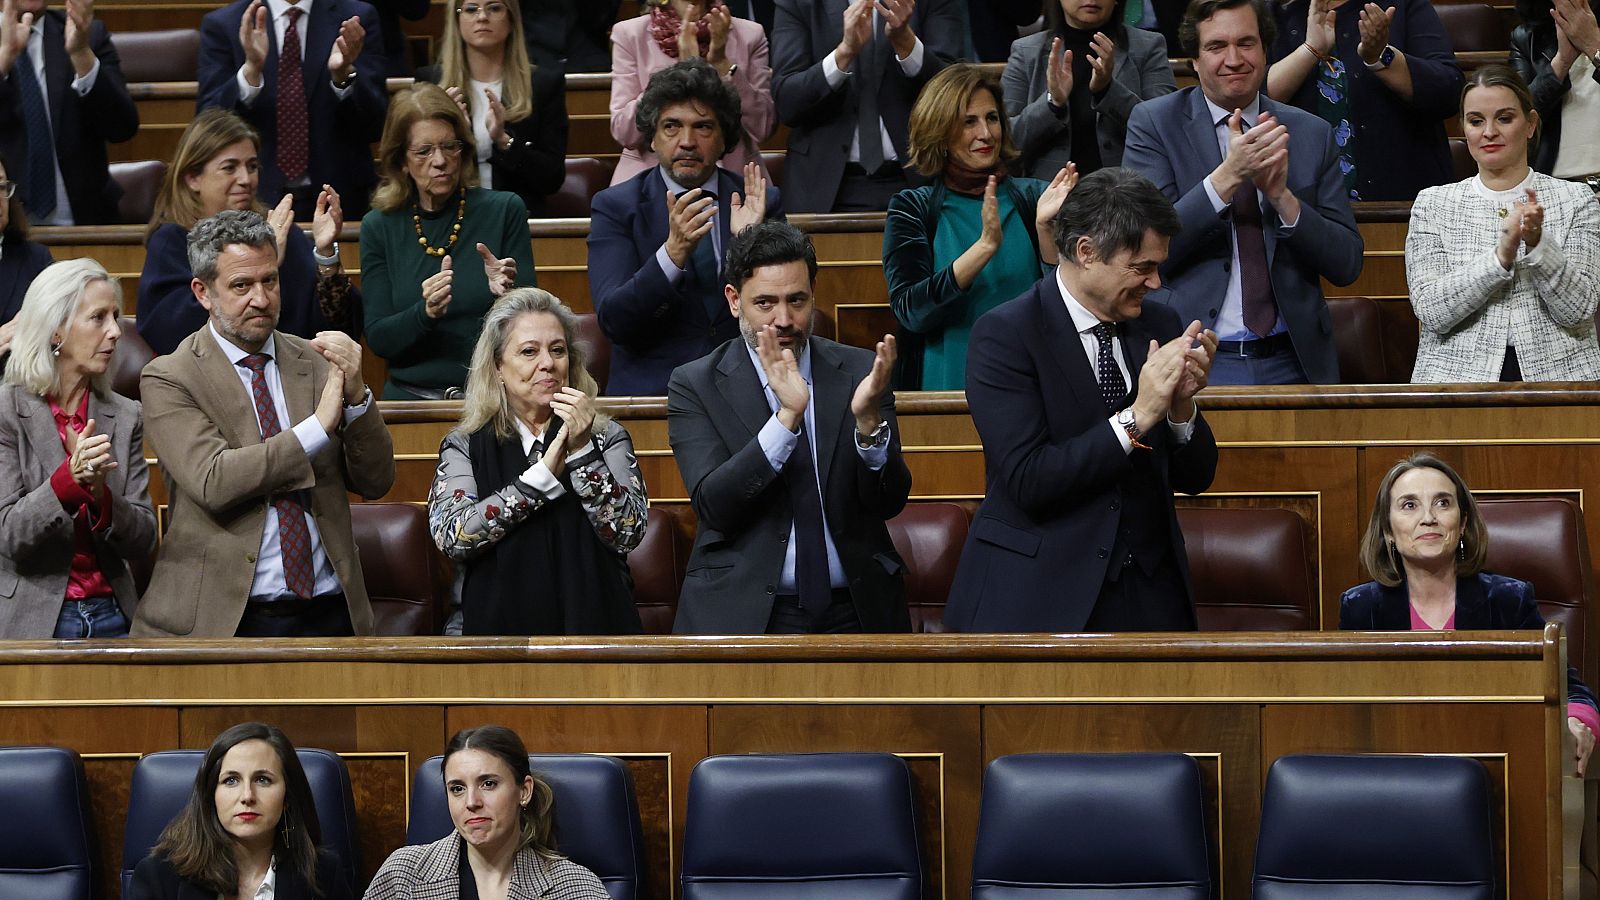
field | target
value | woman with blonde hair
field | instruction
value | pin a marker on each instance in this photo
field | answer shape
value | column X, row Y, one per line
column 971, row 240
column 217, row 167
column 430, row 247
column 74, row 499
column 518, row 110
column 538, row 496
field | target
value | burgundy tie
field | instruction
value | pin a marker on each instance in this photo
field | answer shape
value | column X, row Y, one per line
column 1255, row 283
column 292, row 129
column 294, row 540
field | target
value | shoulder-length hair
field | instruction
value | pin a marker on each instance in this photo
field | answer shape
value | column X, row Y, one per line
column 538, row 821
column 201, row 851
column 419, row 103
column 516, row 76
column 211, row 132
column 16, row 219
column 1378, row 555
column 52, row 300
column 940, row 110
column 486, row 399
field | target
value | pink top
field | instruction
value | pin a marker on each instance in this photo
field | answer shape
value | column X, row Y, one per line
column 1417, row 624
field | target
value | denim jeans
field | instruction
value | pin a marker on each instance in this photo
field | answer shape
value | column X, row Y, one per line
column 99, row 618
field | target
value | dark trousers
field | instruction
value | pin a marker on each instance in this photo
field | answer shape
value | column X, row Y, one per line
column 839, row 618
column 1136, row 601
column 327, row 615
column 861, row 191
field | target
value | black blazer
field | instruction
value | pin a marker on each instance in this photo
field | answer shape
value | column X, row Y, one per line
column 83, row 125
column 1041, row 541
column 536, row 164
column 573, row 35
column 21, row 264
column 715, row 409
column 1533, row 49
column 1484, row 602
column 155, row 879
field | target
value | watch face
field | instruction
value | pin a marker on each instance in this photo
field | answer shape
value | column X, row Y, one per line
column 1386, row 57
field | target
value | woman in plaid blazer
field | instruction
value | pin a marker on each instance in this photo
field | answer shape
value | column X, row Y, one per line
column 1503, row 266
column 502, row 847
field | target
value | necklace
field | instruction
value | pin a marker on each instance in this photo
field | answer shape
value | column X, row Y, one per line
column 455, row 231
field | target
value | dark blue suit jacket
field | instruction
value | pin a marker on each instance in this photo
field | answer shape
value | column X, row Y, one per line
column 21, row 264
column 341, row 130
column 1172, row 141
column 654, row 327
column 1484, row 602
column 1040, row 543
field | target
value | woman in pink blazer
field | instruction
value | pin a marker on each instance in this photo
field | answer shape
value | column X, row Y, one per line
column 656, row 40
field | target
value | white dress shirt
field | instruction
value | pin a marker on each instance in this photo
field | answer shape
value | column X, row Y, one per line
column 81, row 85
column 835, row 76
column 268, row 889
column 269, row 582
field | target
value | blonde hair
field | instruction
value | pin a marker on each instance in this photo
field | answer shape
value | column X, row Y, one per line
column 940, row 110
column 516, row 76
column 50, row 302
column 211, row 132
column 419, row 103
column 486, row 399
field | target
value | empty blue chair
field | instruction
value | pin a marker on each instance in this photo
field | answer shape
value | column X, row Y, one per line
column 162, row 782
column 44, row 836
column 1085, row 825
column 840, row 826
column 596, row 811
column 1408, row 827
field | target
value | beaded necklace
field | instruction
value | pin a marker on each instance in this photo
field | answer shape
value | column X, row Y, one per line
column 455, row 231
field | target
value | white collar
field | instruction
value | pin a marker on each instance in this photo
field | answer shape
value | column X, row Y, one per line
column 1082, row 319
column 527, row 435
column 1494, row 196
column 279, row 7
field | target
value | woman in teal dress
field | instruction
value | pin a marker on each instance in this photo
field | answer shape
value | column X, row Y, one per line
column 974, row 238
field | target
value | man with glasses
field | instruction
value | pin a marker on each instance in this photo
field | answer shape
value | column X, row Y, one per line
column 62, row 99
column 657, row 240
column 317, row 118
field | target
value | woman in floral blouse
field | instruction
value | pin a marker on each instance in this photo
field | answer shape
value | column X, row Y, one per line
column 537, row 496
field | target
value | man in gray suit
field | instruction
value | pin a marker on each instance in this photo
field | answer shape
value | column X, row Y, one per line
column 1258, row 189
column 788, row 446
column 845, row 74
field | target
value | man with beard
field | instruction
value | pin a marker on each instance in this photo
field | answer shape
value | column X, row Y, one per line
column 1083, row 394
column 788, row 447
column 657, row 240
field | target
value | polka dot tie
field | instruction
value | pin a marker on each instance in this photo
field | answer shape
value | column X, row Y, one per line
column 293, row 134
column 294, row 539
column 1112, row 387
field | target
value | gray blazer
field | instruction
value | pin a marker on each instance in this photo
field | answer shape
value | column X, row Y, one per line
column 36, row 534
column 1141, row 72
column 432, row 872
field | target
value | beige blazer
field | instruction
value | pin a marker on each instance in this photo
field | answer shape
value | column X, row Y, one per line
column 36, row 534
column 219, row 474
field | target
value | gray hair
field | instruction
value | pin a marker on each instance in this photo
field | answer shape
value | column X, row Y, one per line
column 485, row 395
column 1113, row 208
column 210, row 235
column 50, row 302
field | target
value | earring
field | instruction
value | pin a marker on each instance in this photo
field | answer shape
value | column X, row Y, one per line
column 1461, row 549
column 55, row 349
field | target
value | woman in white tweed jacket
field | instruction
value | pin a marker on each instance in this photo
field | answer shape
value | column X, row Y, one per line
column 501, row 848
column 1503, row 266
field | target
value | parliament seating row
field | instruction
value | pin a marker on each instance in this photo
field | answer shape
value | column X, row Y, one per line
column 844, row 825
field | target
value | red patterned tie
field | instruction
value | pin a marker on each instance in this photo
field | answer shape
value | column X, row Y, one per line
column 292, row 129
column 294, row 540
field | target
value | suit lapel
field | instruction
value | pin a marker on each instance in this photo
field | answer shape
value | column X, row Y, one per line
column 40, row 426
column 1066, row 346
column 225, row 393
column 740, row 387
column 831, row 387
column 319, row 32
column 1202, row 133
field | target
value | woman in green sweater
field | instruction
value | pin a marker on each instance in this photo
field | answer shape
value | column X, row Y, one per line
column 431, row 248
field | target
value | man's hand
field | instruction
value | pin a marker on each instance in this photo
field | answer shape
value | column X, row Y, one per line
column 14, row 31
column 80, row 15
column 436, row 290
column 751, row 208
column 783, row 376
column 1273, row 180
column 1164, row 368
column 326, row 221
column 344, row 354
column 1576, row 20
column 897, row 25
column 281, row 218
column 253, row 38
column 1102, row 59
column 869, row 393
column 1249, row 152
column 1375, row 22
column 689, row 218
column 501, row 271
column 346, row 50
column 330, row 405
column 1196, row 372
column 857, row 34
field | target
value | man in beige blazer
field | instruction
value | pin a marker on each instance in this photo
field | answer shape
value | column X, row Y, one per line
column 260, row 435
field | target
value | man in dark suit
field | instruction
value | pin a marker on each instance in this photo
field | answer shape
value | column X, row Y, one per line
column 316, row 119
column 1077, row 531
column 62, row 98
column 573, row 35
column 845, row 74
column 1265, row 212
column 657, row 240
column 788, row 447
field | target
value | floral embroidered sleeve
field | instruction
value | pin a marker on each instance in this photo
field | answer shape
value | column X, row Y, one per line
column 463, row 524
column 612, row 492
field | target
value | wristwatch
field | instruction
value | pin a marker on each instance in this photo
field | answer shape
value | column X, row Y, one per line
column 1385, row 59
column 875, row 439
column 1130, row 424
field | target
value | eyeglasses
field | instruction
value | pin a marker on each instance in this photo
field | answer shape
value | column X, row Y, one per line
column 450, row 149
column 7, row 189
column 473, row 10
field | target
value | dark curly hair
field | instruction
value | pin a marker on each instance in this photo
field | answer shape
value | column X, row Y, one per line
column 769, row 243
column 690, row 81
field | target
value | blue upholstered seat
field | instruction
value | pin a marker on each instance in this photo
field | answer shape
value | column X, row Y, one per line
column 44, row 837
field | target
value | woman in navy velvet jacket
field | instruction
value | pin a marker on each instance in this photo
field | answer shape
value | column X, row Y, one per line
column 21, row 260
column 1425, row 546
